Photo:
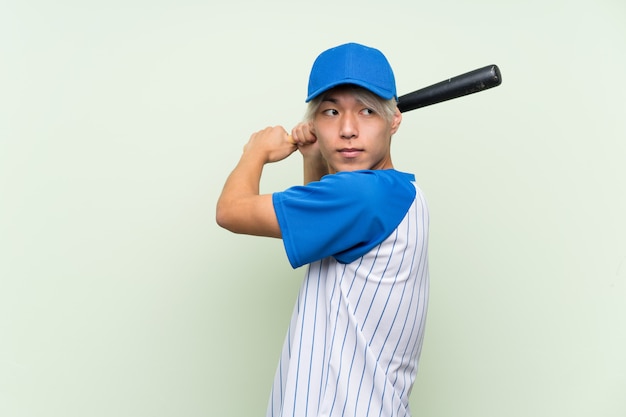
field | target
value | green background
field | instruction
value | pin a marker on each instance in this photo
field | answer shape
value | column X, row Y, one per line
column 120, row 120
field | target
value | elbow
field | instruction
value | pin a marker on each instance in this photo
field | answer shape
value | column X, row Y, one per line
column 222, row 218
column 241, row 216
column 226, row 216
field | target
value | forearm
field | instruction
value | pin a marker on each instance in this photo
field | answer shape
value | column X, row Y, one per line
column 240, row 208
column 243, row 181
column 314, row 164
column 314, row 168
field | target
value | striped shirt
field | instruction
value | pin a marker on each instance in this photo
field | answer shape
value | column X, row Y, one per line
column 356, row 331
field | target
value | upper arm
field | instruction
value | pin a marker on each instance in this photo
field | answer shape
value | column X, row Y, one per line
column 251, row 215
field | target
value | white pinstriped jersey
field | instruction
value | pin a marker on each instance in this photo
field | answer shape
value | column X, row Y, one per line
column 356, row 332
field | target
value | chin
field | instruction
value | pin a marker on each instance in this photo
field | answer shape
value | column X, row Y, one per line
column 350, row 167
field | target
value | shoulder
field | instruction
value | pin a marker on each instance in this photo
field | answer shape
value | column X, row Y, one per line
column 373, row 183
column 369, row 178
column 364, row 188
column 318, row 220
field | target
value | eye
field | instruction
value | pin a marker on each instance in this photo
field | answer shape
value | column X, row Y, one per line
column 330, row 112
column 368, row 112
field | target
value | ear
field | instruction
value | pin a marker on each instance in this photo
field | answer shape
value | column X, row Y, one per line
column 395, row 122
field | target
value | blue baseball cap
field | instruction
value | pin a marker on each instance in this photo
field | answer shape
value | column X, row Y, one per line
column 352, row 63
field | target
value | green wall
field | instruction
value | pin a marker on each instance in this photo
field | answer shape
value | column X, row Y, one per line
column 120, row 120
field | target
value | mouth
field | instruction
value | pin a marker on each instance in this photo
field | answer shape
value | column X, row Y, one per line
column 350, row 152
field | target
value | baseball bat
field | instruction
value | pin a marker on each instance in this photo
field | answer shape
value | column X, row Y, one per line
column 471, row 82
column 468, row 83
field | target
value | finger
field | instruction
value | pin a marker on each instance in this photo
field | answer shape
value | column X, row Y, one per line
column 304, row 133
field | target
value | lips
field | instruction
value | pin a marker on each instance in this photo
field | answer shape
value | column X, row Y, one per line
column 350, row 152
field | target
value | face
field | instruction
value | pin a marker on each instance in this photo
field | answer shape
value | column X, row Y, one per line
column 352, row 136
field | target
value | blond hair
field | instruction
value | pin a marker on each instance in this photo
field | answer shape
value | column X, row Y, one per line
column 386, row 108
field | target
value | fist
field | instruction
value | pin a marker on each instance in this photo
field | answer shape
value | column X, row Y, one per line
column 303, row 134
column 271, row 143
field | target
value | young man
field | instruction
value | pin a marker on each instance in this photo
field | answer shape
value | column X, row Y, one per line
column 361, row 226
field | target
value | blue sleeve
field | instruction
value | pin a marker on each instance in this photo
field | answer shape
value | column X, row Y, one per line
column 344, row 215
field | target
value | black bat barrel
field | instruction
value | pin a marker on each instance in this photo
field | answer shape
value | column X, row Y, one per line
column 471, row 82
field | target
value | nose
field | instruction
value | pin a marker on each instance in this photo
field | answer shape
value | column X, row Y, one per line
column 348, row 126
